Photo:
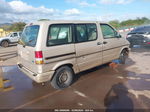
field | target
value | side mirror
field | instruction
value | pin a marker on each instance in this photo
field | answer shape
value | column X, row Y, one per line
column 118, row 35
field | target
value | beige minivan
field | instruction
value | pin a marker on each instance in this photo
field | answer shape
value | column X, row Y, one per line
column 55, row 51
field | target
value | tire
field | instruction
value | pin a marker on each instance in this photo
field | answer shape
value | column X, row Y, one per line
column 63, row 78
column 123, row 56
column 5, row 43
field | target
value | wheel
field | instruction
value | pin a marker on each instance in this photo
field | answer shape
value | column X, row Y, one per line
column 4, row 44
column 63, row 78
column 123, row 56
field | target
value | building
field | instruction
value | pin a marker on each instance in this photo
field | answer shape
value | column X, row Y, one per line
column 3, row 33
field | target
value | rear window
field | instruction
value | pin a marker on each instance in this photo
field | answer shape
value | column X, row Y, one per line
column 29, row 35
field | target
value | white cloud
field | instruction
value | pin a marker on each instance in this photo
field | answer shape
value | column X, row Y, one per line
column 86, row 4
column 82, row 3
column 115, row 1
column 18, row 10
column 21, row 7
column 72, row 12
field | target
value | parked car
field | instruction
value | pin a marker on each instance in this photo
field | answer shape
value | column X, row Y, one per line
column 55, row 51
column 139, row 36
column 10, row 39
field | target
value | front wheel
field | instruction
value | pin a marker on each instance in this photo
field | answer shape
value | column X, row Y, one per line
column 4, row 44
column 63, row 78
column 123, row 57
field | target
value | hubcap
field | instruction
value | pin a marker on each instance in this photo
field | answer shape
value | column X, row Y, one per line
column 63, row 77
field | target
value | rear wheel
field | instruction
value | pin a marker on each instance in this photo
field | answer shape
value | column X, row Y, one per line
column 123, row 56
column 4, row 44
column 63, row 77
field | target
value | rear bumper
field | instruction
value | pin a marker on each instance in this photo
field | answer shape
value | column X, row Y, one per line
column 39, row 78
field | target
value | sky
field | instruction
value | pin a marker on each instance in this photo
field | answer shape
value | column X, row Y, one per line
column 100, row 10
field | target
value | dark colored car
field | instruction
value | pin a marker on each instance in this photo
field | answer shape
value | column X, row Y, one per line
column 139, row 36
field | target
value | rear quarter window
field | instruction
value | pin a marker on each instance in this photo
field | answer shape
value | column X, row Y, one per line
column 59, row 34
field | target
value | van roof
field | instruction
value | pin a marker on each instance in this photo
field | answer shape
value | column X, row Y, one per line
column 64, row 21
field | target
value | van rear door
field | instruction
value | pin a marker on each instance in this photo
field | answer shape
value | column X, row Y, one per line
column 26, row 47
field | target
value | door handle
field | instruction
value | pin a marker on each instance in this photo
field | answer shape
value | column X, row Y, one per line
column 99, row 43
column 104, row 42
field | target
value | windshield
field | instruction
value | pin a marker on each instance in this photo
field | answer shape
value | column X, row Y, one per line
column 29, row 36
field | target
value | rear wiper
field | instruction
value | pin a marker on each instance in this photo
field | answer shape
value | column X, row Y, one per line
column 31, row 40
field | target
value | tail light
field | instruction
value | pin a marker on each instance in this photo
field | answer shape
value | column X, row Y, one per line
column 39, row 57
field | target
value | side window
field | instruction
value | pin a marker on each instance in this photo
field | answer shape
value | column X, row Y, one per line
column 59, row 34
column 13, row 35
column 81, row 33
column 86, row 32
column 108, row 31
column 92, row 32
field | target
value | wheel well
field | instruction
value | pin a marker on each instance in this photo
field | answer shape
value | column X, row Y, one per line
column 69, row 65
column 5, row 40
column 125, row 49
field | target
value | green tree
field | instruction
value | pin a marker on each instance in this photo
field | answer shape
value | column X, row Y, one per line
column 18, row 26
column 137, row 21
column 115, row 23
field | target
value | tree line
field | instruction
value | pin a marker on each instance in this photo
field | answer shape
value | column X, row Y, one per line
column 131, row 22
column 18, row 26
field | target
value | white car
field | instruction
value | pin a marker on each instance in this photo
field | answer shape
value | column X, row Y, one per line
column 10, row 39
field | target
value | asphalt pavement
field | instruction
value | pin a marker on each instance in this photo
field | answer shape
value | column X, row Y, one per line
column 8, row 56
